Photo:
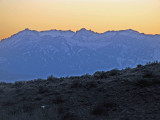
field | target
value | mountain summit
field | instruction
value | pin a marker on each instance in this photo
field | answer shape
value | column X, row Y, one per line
column 30, row 54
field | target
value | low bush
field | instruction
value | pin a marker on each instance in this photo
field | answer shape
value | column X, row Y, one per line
column 86, row 76
column 100, row 75
column 139, row 66
column 19, row 83
column 74, row 77
column 114, row 72
column 50, row 78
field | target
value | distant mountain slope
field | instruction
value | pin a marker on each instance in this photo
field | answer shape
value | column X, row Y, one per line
column 65, row 53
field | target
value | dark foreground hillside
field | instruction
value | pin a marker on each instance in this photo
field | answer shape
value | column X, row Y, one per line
column 130, row 94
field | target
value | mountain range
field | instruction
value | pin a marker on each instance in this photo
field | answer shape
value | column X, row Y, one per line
column 33, row 54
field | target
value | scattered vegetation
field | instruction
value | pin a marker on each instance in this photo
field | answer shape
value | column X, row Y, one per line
column 139, row 66
column 100, row 75
column 114, row 72
column 111, row 95
column 52, row 78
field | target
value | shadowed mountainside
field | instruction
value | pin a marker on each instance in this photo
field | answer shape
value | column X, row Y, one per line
column 31, row 54
column 128, row 94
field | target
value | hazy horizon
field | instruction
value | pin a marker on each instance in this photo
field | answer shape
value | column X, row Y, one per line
column 97, row 15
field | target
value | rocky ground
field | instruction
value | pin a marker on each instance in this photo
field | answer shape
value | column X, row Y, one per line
column 129, row 94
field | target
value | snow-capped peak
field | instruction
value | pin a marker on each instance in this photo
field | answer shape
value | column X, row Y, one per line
column 84, row 34
column 27, row 29
column 84, row 30
column 57, row 33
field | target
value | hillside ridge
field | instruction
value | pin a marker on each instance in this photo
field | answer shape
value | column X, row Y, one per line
column 127, row 94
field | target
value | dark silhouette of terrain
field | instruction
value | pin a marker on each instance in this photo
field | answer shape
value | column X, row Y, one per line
column 128, row 94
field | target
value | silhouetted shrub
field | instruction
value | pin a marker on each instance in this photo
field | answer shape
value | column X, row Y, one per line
column 127, row 68
column 86, row 76
column 113, row 72
column 4, row 83
column 153, row 62
column 19, row 83
column 100, row 75
column 39, row 80
column 148, row 63
column 61, row 78
column 74, row 77
column 139, row 66
column 51, row 78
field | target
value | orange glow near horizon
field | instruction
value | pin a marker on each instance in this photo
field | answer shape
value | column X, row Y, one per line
column 97, row 15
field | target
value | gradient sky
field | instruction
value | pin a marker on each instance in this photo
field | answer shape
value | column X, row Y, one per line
column 97, row 15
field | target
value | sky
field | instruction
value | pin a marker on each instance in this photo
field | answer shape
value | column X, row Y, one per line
column 97, row 15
